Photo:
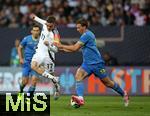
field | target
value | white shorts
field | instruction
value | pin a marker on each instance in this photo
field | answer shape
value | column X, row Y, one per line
column 44, row 60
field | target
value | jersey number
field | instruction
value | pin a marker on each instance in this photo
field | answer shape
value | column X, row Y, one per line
column 50, row 67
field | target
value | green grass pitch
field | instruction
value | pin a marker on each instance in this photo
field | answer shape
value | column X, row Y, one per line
column 102, row 106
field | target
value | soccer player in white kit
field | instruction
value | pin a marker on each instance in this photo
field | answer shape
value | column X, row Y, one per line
column 43, row 60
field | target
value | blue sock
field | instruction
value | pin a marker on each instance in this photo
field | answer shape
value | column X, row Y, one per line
column 31, row 90
column 79, row 88
column 118, row 89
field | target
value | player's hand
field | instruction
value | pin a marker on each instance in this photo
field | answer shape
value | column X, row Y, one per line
column 32, row 16
column 46, row 43
column 59, row 46
column 21, row 61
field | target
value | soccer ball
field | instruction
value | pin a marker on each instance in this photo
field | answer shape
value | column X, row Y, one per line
column 74, row 104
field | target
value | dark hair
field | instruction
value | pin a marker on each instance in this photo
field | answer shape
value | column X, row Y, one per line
column 83, row 22
column 36, row 25
column 51, row 19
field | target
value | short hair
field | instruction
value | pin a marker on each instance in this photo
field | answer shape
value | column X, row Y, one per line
column 36, row 25
column 51, row 19
column 83, row 22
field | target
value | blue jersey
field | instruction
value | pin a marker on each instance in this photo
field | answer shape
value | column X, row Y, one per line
column 29, row 44
column 91, row 55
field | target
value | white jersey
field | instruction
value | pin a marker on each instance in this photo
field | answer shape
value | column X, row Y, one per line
column 45, row 36
column 44, row 55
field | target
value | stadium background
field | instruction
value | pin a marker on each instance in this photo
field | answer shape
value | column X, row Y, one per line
column 122, row 28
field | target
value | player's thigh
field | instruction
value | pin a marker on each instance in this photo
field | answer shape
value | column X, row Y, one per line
column 34, row 64
column 80, row 74
column 100, row 71
column 49, row 65
column 37, row 59
column 84, row 71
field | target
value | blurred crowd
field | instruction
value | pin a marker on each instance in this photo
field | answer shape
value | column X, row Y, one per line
column 15, row 13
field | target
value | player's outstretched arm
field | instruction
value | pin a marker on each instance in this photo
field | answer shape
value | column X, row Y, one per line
column 65, row 50
column 37, row 19
column 69, row 48
column 51, row 47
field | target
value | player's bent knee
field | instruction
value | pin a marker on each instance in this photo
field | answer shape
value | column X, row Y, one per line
column 78, row 78
column 34, row 66
column 80, row 74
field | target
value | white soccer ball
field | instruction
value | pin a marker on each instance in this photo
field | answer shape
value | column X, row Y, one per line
column 74, row 104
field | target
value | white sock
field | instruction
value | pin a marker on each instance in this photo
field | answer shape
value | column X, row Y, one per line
column 46, row 74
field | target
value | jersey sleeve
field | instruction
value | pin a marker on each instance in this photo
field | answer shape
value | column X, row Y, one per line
column 23, row 43
column 39, row 20
column 83, row 39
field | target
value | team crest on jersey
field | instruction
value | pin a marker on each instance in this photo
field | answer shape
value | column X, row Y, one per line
column 102, row 71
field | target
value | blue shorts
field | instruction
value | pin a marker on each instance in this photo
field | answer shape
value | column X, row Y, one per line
column 27, row 71
column 97, row 69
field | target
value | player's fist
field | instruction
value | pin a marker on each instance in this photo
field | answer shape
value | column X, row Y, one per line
column 46, row 43
column 59, row 45
column 32, row 16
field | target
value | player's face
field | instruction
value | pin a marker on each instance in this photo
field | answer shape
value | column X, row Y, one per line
column 81, row 29
column 35, row 32
column 50, row 26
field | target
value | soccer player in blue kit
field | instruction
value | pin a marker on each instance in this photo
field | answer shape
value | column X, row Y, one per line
column 28, row 44
column 92, row 63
